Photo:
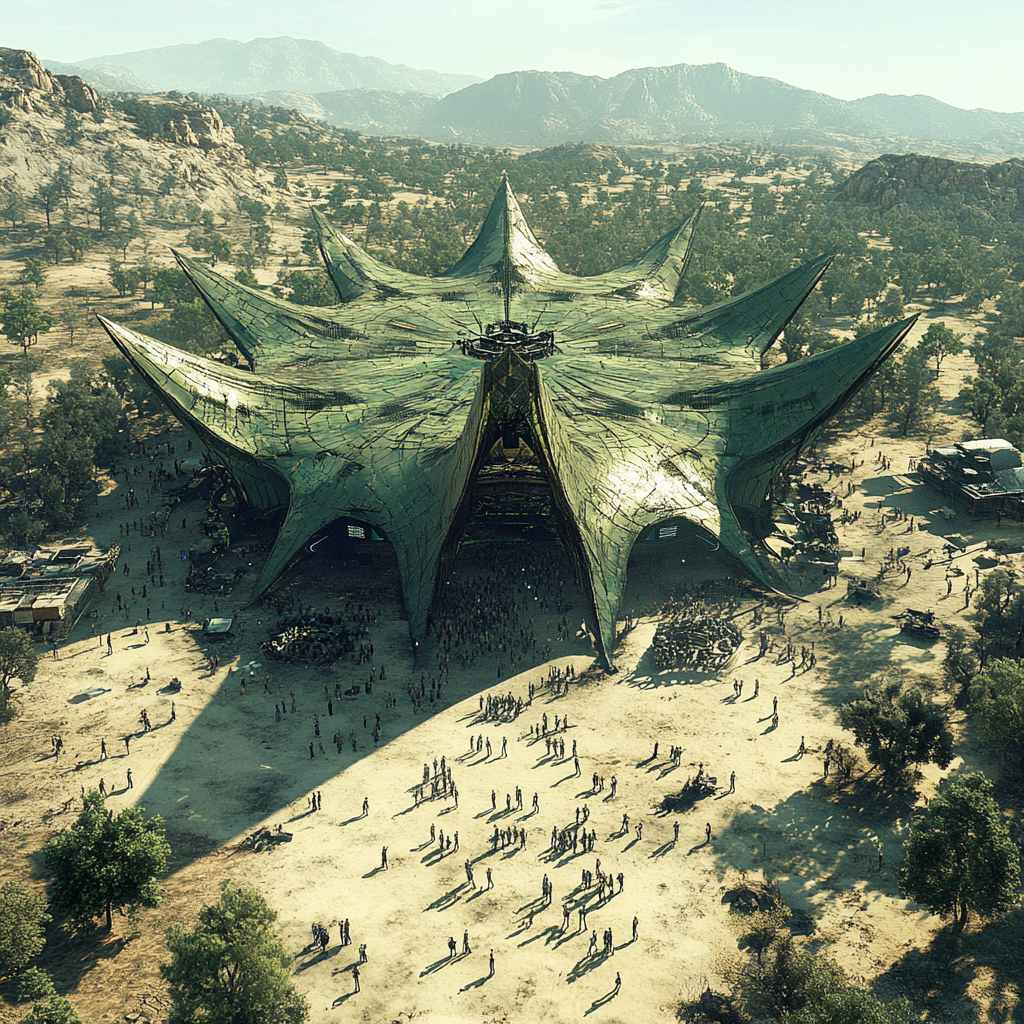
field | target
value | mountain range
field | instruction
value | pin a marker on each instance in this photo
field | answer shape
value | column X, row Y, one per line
column 229, row 66
column 646, row 106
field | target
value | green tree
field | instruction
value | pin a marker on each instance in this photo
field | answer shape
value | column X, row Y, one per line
column 997, row 703
column 982, row 397
column 794, row 985
column 23, row 919
column 33, row 272
column 18, row 660
column 102, row 862
column 105, row 207
column 960, row 663
column 232, row 968
column 125, row 280
column 35, row 986
column 761, row 928
column 898, row 727
column 71, row 133
column 914, row 396
column 999, row 609
column 171, row 286
column 959, row 856
column 125, row 233
column 940, row 341
column 23, row 320
column 890, row 305
column 311, row 289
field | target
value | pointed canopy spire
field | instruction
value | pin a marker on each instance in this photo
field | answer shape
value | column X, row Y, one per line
column 505, row 245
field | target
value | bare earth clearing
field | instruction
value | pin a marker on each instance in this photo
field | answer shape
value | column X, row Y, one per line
column 224, row 767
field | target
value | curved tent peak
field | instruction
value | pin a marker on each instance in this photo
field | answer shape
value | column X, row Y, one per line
column 505, row 244
column 748, row 324
column 265, row 329
column 657, row 271
column 351, row 261
column 345, row 276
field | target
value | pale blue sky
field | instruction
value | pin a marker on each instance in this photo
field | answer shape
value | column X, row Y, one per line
column 967, row 54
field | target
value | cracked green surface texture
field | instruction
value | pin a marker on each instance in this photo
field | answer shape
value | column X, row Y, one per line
column 647, row 411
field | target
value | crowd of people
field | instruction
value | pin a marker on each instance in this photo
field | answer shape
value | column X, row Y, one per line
column 488, row 608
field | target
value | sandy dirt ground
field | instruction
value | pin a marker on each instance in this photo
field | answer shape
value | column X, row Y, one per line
column 224, row 767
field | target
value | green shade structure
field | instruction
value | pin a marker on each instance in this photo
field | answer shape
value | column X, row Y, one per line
column 384, row 408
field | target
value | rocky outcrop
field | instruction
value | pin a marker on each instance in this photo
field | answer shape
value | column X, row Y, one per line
column 25, row 83
column 78, row 94
column 202, row 129
column 915, row 180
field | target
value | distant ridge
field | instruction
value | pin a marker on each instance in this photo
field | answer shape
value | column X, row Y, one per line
column 682, row 103
column 283, row 64
column 646, row 106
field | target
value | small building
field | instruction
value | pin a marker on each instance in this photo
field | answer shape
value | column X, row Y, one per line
column 50, row 605
column 986, row 475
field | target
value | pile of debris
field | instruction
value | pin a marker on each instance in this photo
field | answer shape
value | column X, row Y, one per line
column 703, row 642
column 919, row 624
column 263, row 839
column 320, row 641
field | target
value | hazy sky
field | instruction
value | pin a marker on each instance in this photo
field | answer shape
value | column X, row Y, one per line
column 967, row 54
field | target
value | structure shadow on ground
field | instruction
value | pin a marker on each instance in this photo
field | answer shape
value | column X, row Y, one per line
column 234, row 767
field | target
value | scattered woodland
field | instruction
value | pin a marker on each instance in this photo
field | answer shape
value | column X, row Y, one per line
column 73, row 242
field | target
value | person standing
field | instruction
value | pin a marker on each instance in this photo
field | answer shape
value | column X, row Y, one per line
column 451, row 947
column 355, row 978
column 707, row 832
column 465, row 943
column 490, row 973
column 618, row 984
column 636, row 925
column 384, row 858
column 128, row 784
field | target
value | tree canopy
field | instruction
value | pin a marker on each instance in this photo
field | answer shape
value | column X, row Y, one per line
column 898, row 727
column 232, row 968
column 105, row 861
column 35, row 986
column 18, row 660
column 997, row 703
column 23, row 919
column 959, row 856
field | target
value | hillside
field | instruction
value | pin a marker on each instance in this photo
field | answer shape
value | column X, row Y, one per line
column 282, row 64
column 198, row 151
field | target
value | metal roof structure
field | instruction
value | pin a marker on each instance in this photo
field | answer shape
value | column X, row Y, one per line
column 383, row 407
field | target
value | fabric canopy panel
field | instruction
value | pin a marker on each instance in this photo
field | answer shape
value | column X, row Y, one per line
column 383, row 407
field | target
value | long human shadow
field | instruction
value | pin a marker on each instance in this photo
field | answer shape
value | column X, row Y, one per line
column 601, row 1001
column 476, row 984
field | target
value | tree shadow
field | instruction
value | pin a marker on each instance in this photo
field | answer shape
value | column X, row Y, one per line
column 939, row 977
